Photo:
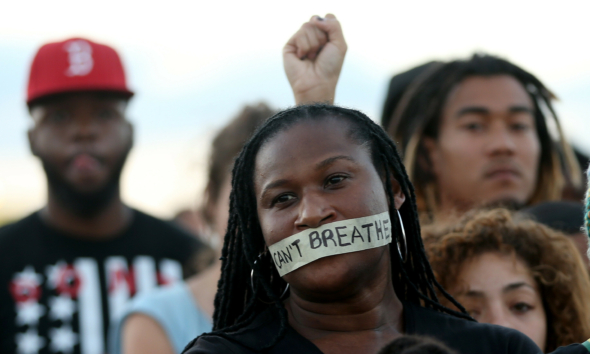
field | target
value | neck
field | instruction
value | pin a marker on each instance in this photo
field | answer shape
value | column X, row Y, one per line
column 373, row 308
column 104, row 224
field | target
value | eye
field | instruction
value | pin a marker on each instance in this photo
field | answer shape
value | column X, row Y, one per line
column 473, row 126
column 522, row 307
column 334, row 180
column 58, row 117
column 520, row 127
column 106, row 114
column 283, row 198
column 473, row 313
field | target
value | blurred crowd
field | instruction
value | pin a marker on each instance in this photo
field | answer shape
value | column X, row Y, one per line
column 487, row 201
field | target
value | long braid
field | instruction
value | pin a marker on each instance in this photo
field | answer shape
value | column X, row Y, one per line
column 237, row 302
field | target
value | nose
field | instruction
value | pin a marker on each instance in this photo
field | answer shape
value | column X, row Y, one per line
column 85, row 128
column 501, row 140
column 498, row 315
column 314, row 211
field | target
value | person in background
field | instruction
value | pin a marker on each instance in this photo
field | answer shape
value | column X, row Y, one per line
column 514, row 272
column 67, row 270
column 403, row 87
column 399, row 84
column 473, row 132
column 165, row 320
column 412, row 344
column 566, row 217
column 190, row 220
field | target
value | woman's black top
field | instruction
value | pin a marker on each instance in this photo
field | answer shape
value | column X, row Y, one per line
column 464, row 336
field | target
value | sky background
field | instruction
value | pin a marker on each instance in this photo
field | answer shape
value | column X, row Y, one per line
column 193, row 64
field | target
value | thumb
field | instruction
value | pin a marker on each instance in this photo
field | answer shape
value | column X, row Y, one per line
column 332, row 27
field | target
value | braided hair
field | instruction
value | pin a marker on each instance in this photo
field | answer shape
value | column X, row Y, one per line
column 418, row 113
column 238, row 301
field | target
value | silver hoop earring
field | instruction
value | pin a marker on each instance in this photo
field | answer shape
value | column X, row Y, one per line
column 284, row 292
column 252, row 272
column 252, row 279
column 401, row 224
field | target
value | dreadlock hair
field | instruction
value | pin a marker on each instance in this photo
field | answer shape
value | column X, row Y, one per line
column 418, row 114
column 238, row 302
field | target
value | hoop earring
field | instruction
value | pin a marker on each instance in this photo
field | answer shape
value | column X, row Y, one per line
column 399, row 250
column 252, row 279
column 252, row 272
column 284, row 292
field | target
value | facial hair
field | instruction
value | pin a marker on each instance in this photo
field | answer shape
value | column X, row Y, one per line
column 84, row 204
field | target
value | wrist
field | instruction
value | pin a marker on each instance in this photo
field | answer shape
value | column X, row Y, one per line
column 315, row 95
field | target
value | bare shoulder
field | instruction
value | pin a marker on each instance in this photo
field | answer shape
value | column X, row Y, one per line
column 143, row 334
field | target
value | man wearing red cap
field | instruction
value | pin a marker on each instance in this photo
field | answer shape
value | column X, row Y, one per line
column 67, row 270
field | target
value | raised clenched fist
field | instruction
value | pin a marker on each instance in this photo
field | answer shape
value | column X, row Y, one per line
column 313, row 58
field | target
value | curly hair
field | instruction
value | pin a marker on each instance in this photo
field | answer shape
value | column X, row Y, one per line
column 552, row 258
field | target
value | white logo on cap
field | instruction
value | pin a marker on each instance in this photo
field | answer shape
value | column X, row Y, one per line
column 80, row 58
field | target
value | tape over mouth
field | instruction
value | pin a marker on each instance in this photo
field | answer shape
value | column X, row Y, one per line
column 331, row 239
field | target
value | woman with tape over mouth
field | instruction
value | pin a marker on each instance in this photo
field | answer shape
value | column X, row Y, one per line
column 306, row 168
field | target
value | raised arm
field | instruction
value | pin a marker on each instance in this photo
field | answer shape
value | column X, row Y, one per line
column 313, row 59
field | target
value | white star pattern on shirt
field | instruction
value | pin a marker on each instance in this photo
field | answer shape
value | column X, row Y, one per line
column 63, row 339
column 28, row 275
column 61, row 308
column 28, row 313
column 29, row 342
column 52, row 272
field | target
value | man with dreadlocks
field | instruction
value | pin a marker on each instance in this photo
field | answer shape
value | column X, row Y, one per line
column 473, row 132
column 309, row 170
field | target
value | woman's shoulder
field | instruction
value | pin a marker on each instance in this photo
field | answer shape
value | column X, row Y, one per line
column 162, row 299
column 466, row 336
column 173, row 308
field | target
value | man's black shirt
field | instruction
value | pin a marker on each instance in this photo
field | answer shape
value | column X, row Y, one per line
column 60, row 293
column 463, row 336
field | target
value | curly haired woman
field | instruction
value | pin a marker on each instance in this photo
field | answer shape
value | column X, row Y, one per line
column 516, row 273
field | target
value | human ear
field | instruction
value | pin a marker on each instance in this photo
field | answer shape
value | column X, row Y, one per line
column 398, row 196
column 31, row 139
column 131, row 132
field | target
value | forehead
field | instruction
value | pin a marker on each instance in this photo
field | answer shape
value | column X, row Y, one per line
column 305, row 142
column 492, row 271
column 494, row 92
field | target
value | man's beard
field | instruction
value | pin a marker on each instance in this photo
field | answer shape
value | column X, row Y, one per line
column 84, row 204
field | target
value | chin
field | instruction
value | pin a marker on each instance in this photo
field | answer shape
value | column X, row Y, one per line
column 87, row 187
column 334, row 276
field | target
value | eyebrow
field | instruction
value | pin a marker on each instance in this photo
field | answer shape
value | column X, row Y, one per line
column 483, row 110
column 331, row 160
column 514, row 286
column 521, row 109
column 508, row 288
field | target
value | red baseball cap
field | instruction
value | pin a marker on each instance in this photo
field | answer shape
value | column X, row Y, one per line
column 76, row 65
